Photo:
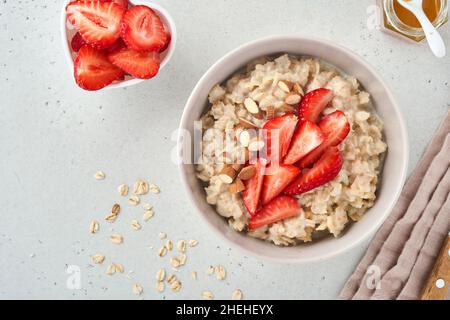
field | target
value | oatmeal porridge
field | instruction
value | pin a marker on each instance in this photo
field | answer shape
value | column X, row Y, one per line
column 329, row 144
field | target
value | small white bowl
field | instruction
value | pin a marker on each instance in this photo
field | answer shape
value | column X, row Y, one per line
column 68, row 31
column 394, row 170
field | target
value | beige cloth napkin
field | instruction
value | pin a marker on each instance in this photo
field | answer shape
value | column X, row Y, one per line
column 406, row 246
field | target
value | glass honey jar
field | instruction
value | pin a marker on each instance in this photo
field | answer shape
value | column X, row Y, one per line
column 403, row 22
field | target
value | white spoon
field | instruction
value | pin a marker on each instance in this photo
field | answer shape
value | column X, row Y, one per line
column 433, row 37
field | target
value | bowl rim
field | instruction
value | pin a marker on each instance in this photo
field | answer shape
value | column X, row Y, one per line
column 401, row 126
column 130, row 82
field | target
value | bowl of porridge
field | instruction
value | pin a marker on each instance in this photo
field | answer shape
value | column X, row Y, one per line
column 293, row 149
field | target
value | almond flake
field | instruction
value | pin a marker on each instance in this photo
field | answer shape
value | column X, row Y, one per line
column 247, row 124
column 193, row 243
column 154, row 189
column 169, row 245
column 134, row 200
column 162, row 235
column 162, row 251
column 116, row 238
column 148, row 215
column 247, row 172
column 137, row 289
column 115, row 208
column 292, row 99
column 98, row 258
column 286, row 108
column 123, row 190
column 160, row 275
column 286, row 86
column 135, row 225
column 229, row 172
column 111, row 269
column 119, row 267
column 298, row 89
column 270, row 112
column 141, row 187
column 147, row 206
column 251, row 106
column 181, row 246
column 99, row 175
column 111, row 217
column 207, row 295
column 176, row 286
column 244, row 138
column 93, row 227
column 237, row 295
column 225, row 178
column 160, row 286
column 220, row 272
column 194, row 274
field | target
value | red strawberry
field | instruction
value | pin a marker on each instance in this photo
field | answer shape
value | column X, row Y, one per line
column 313, row 104
column 278, row 177
column 119, row 44
column 97, row 22
column 93, row 70
column 253, row 186
column 278, row 209
column 142, row 65
column 281, row 129
column 335, row 128
column 77, row 42
column 142, row 29
column 325, row 170
column 168, row 40
column 307, row 137
column 122, row 3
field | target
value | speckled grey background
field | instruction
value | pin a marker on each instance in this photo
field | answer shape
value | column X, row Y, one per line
column 54, row 137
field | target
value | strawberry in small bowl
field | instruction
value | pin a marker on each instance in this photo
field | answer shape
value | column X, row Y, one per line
column 116, row 43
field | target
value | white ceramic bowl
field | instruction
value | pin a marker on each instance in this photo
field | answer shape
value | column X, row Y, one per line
column 68, row 31
column 395, row 166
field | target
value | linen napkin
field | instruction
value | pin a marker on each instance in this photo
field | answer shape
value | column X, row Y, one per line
column 406, row 246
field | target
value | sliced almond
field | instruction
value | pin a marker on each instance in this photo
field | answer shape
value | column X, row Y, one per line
column 270, row 112
column 251, row 106
column 298, row 89
column 237, row 167
column 227, row 174
column 247, row 124
column 247, row 173
column 286, row 86
column 259, row 115
column 286, row 108
column 244, row 138
column 237, row 186
column 293, row 99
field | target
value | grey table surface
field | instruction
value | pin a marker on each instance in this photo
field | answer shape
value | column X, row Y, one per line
column 54, row 137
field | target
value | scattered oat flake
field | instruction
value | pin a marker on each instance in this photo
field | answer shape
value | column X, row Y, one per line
column 115, row 208
column 162, row 252
column 119, row 267
column 175, row 262
column 193, row 243
column 182, row 259
column 123, row 190
column 194, row 274
column 162, row 235
column 135, row 225
column 237, row 295
column 160, row 275
column 210, row 270
column 99, row 175
column 181, row 246
column 93, row 227
column 134, row 200
column 98, row 258
column 169, row 245
column 176, row 286
column 111, row 269
column 148, row 215
column 160, row 286
column 147, row 206
column 116, row 238
column 207, row 295
column 141, row 187
column 171, row 279
column 220, row 272
column 137, row 289
column 111, row 217
column 154, row 188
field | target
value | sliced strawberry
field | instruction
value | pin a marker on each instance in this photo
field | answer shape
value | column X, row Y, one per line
column 307, row 137
column 122, row 3
column 168, row 40
column 279, row 133
column 325, row 170
column 97, row 22
column 277, row 177
column 278, row 209
column 77, row 42
column 119, row 44
column 335, row 128
column 253, row 186
column 142, row 29
column 142, row 65
column 93, row 70
column 313, row 104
